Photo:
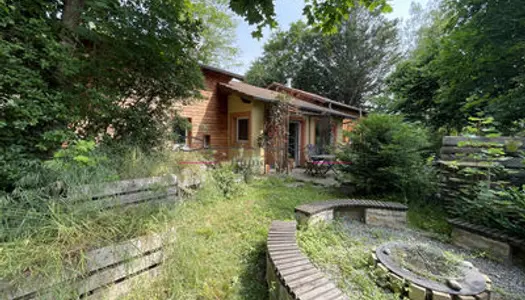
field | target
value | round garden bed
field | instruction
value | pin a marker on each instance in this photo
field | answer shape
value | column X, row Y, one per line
column 342, row 251
column 423, row 270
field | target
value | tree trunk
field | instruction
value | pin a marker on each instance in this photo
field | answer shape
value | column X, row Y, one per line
column 71, row 14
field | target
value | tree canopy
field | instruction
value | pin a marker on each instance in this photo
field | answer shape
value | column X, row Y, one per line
column 73, row 69
column 324, row 15
column 345, row 66
column 468, row 61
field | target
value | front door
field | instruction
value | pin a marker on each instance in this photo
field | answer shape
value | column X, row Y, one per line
column 293, row 141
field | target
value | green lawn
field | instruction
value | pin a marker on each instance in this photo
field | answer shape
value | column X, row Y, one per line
column 220, row 247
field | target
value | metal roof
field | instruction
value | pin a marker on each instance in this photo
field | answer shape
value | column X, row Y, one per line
column 267, row 95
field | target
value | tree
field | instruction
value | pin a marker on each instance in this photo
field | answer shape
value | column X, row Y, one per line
column 470, row 60
column 217, row 42
column 388, row 156
column 73, row 69
column 324, row 15
column 345, row 66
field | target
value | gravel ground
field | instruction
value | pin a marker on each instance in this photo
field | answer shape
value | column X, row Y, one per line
column 508, row 281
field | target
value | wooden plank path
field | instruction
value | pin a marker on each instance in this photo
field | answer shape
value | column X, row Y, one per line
column 297, row 276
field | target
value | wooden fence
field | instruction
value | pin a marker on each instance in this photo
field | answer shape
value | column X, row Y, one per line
column 454, row 157
column 112, row 271
column 108, row 272
column 127, row 192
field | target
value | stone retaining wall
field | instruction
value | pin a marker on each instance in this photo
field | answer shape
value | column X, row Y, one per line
column 495, row 243
column 371, row 212
column 385, row 217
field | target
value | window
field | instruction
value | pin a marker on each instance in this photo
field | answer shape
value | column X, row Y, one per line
column 181, row 132
column 207, row 141
column 242, row 129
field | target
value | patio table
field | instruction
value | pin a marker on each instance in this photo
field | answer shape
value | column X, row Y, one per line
column 323, row 163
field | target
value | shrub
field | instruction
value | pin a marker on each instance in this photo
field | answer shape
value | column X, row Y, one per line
column 503, row 209
column 388, row 156
column 226, row 181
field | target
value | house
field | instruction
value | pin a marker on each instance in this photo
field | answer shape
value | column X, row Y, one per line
column 234, row 115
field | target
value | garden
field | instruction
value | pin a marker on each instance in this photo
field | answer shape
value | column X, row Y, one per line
column 102, row 195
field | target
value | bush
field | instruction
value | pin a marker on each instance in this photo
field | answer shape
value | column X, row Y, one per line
column 228, row 183
column 503, row 209
column 389, row 156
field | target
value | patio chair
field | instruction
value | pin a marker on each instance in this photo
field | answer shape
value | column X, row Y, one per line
column 310, row 166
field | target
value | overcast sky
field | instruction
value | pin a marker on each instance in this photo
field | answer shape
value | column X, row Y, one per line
column 289, row 11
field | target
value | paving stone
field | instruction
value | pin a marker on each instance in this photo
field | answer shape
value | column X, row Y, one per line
column 460, row 297
column 483, row 296
column 416, row 292
column 440, row 296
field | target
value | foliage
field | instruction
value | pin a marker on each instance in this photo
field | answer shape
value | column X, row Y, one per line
column 275, row 135
column 468, row 60
column 487, row 197
column 388, row 156
column 502, row 209
column 227, row 182
column 40, row 230
column 345, row 66
column 430, row 217
column 345, row 258
column 76, row 69
column 325, row 15
column 217, row 43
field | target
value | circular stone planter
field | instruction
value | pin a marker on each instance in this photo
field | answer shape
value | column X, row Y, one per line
column 467, row 283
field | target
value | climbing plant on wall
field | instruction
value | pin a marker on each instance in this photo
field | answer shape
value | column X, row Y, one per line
column 274, row 138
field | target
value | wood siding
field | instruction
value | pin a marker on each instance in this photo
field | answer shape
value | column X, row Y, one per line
column 209, row 115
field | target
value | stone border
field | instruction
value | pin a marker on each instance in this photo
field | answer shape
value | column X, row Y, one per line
column 493, row 241
column 289, row 273
column 371, row 212
column 416, row 288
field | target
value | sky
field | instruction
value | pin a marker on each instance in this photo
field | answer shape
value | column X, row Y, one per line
column 289, row 11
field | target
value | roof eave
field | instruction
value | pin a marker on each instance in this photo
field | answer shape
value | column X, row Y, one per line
column 222, row 71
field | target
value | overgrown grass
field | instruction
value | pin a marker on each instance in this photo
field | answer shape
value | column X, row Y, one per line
column 220, row 248
column 42, row 233
column 430, row 218
column 219, row 251
column 53, row 240
column 346, row 259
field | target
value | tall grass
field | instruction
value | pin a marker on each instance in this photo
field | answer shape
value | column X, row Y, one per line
column 221, row 243
column 345, row 258
column 42, row 233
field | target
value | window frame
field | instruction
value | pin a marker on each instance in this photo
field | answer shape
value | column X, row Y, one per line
column 187, row 137
column 247, row 140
